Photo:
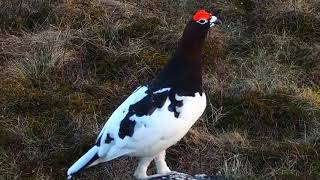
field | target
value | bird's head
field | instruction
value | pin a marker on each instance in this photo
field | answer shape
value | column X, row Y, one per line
column 205, row 19
column 197, row 29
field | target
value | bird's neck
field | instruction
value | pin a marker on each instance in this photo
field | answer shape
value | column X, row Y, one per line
column 190, row 47
column 183, row 71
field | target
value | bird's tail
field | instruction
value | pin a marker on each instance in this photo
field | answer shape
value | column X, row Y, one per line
column 87, row 160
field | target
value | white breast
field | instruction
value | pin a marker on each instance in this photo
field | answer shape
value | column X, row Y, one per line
column 193, row 107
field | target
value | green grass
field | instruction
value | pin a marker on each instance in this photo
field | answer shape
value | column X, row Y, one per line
column 65, row 66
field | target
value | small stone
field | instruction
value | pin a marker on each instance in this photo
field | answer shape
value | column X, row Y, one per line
column 182, row 176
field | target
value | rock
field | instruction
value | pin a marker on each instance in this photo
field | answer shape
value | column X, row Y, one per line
column 182, row 176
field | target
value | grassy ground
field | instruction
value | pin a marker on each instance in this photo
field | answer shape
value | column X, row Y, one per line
column 66, row 65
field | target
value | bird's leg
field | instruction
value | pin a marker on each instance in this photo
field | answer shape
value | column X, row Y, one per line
column 161, row 164
column 141, row 171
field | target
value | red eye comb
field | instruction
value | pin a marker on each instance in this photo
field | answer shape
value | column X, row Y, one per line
column 201, row 14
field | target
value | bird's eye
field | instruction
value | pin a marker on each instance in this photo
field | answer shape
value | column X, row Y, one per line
column 202, row 21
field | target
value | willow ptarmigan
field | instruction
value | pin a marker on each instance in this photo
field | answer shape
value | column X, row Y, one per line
column 157, row 115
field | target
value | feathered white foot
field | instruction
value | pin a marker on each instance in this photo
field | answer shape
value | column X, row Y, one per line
column 144, row 162
column 162, row 167
column 141, row 171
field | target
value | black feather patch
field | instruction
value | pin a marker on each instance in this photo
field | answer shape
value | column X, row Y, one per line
column 174, row 104
column 144, row 107
column 149, row 104
column 109, row 139
column 126, row 127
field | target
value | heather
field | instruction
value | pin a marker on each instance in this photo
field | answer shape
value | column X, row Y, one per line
column 66, row 65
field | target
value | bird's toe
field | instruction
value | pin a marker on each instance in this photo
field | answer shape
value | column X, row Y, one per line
column 164, row 171
column 140, row 175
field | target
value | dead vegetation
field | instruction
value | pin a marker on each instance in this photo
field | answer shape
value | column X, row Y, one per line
column 66, row 65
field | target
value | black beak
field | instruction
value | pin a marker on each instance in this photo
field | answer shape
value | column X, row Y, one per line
column 215, row 21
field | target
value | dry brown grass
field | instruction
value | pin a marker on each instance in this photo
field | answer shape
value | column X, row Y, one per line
column 66, row 65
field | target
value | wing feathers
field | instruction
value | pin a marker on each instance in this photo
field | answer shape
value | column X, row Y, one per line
column 112, row 141
column 85, row 161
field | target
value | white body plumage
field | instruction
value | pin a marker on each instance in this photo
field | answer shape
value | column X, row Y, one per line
column 152, row 133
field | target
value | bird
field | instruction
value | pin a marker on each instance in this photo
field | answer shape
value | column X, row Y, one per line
column 159, row 113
